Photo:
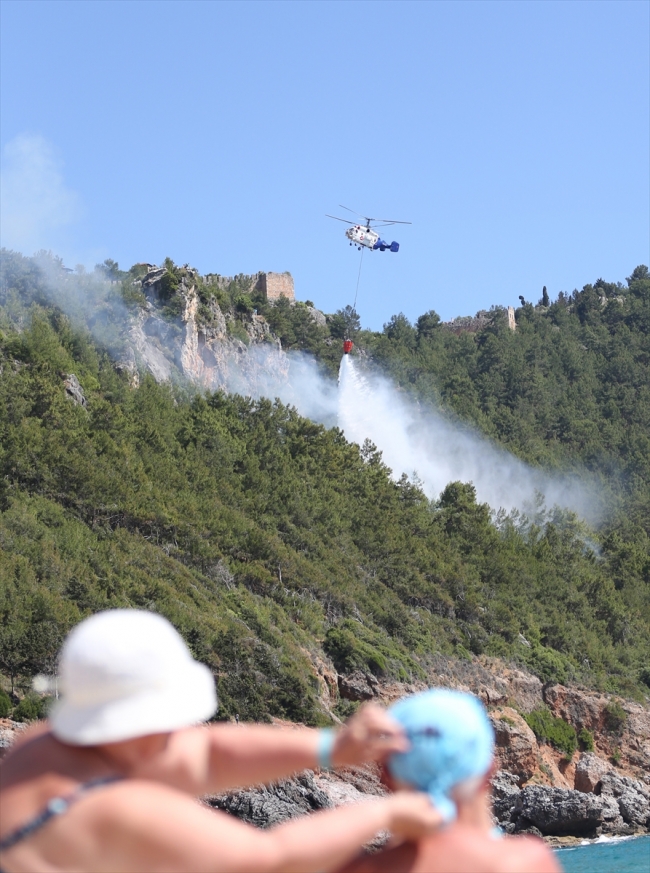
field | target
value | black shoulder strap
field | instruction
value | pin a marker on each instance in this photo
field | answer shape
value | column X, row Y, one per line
column 56, row 806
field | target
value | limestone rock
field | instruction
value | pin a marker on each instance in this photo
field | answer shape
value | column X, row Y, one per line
column 317, row 316
column 562, row 811
column 147, row 351
column 258, row 328
column 264, row 806
column 74, row 390
column 516, row 744
column 578, row 708
column 127, row 363
column 632, row 796
column 358, row 686
column 505, row 791
column 150, row 282
column 217, row 329
column 590, row 769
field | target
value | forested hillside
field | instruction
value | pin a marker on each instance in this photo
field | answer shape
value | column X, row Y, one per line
column 272, row 543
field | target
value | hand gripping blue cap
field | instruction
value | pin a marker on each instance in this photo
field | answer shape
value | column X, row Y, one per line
column 451, row 741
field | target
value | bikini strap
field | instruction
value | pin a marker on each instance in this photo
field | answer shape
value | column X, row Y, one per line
column 55, row 807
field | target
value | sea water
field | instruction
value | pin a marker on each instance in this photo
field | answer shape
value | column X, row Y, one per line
column 614, row 855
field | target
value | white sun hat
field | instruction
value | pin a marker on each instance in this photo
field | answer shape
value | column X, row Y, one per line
column 126, row 673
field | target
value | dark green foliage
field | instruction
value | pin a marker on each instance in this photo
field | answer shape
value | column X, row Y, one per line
column 111, row 270
column 353, row 647
column 346, row 708
column 553, row 730
column 269, row 540
column 5, row 705
column 615, row 717
column 586, row 740
column 31, row 708
column 293, row 324
column 345, row 323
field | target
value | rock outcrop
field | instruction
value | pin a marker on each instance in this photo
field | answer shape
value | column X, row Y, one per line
column 632, row 796
column 563, row 812
column 516, row 745
column 620, row 728
column 358, row 686
column 267, row 805
column 590, row 769
column 201, row 343
column 74, row 390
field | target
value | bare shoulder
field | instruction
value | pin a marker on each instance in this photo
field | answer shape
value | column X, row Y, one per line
column 530, row 854
column 159, row 813
column 134, row 802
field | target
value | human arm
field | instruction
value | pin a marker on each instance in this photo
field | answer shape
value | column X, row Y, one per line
column 325, row 841
column 175, row 834
column 225, row 756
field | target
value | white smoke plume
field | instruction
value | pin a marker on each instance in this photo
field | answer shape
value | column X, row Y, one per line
column 425, row 442
column 36, row 206
column 422, row 441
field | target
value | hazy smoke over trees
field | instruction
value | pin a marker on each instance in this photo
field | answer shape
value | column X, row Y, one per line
column 422, row 441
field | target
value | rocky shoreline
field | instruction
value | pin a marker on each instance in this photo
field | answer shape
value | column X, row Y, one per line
column 621, row 806
column 538, row 789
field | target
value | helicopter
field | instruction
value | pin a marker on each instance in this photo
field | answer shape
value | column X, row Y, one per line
column 364, row 236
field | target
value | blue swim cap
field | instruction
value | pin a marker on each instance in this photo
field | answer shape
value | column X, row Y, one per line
column 451, row 741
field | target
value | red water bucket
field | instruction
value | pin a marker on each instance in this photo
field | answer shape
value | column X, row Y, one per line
column 347, row 347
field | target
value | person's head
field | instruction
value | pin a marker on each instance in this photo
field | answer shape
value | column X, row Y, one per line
column 452, row 744
column 126, row 674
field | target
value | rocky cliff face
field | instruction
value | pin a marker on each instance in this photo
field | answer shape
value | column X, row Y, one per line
column 197, row 344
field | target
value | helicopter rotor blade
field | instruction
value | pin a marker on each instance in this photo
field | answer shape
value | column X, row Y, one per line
column 336, row 218
column 365, row 218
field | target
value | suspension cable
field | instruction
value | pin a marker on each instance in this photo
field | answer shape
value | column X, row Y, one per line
column 358, row 277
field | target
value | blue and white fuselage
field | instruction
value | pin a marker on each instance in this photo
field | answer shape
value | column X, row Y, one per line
column 365, row 236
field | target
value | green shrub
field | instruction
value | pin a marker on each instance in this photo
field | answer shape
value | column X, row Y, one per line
column 243, row 303
column 345, row 708
column 32, row 708
column 237, row 330
column 5, row 704
column 173, row 308
column 553, row 730
column 586, row 740
column 549, row 665
column 615, row 717
column 350, row 653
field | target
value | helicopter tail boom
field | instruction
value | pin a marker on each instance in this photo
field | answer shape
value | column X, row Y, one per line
column 382, row 245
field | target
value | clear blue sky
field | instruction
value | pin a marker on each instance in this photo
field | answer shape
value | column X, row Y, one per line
column 514, row 135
